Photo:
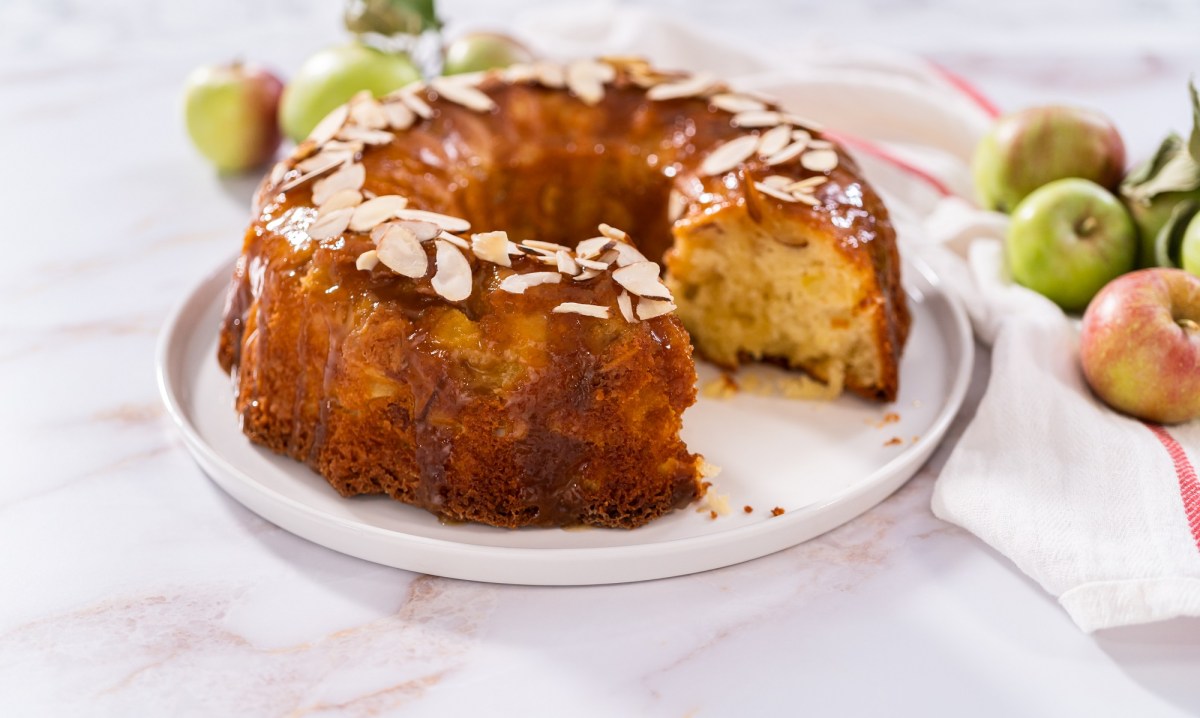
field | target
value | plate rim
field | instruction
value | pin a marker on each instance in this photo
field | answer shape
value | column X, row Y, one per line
column 899, row 469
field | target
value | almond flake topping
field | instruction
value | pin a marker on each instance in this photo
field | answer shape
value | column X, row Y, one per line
column 587, row 274
column 566, row 263
column 734, row 103
column 757, row 118
column 342, row 198
column 330, row 224
column 492, row 247
column 518, row 283
column 519, row 73
column 819, row 160
column 677, row 204
column 550, row 74
column 627, row 254
column 586, row 78
column 367, row 261
column 651, row 308
column 329, row 126
column 642, row 279
column 693, row 86
column 366, row 136
column 350, row 176
column 454, row 239
column 462, row 92
column 589, row 248
column 453, row 278
column 366, row 112
column 611, row 232
column 443, row 221
column 774, row 139
column 376, row 211
column 587, row 310
column 400, row 252
column 399, row 116
column 592, row 264
column 729, row 155
column 326, row 159
column 415, row 102
column 774, row 192
column 787, row 154
column 625, row 304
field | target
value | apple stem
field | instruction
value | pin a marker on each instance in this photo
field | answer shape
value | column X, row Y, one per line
column 1086, row 226
column 1188, row 326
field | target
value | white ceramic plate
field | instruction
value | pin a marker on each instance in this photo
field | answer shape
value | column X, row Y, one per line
column 822, row 462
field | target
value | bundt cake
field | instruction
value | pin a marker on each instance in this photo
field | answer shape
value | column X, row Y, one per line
column 434, row 301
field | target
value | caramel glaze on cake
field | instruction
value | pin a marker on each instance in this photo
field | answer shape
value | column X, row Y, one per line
column 518, row 409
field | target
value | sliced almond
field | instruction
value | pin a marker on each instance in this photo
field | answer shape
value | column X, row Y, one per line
column 550, row 247
column 819, row 160
column 367, row 261
column 415, row 102
column 462, row 93
column 807, row 184
column 519, row 73
column 774, row 139
column 368, row 113
column 820, row 144
column 399, row 115
column 376, row 211
column 651, row 308
column 342, row 198
column 787, row 154
column 587, row 274
column 613, row 233
column 453, row 280
column 778, row 181
column 518, row 283
column 566, row 263
column 806, row 199
column 734, row 103
column 592, row 264
column 350, row 176
column 625, row 304
column 550, row 74
column 729, row 155
column 589, row 248
column 775, row 192
column 587, row 310
column 641, row 278
column 628, row 254
column 351, row 146
column 492, row 247
column 278, row 171
column 454, row 239
column 693, row 86
column 585, row 79
column 330, row 224
column 757, row 118
column 443, row 221
column 400, row 252
column 325, row 159
column 329, row 126
column 354, row 133
column 423, row 230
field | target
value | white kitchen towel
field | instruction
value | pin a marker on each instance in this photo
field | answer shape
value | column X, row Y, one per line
column 1102, row 510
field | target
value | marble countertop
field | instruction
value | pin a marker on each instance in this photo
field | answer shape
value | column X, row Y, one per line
column 134, row 586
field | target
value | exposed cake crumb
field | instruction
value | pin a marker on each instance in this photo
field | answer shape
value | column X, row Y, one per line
column 708, row 470
column 889, row 418
column 894, row 441
column 723, row 387
column 916, row 439
column 777, row 511
column 716, row 504
column 712, row 514
column 748, row 509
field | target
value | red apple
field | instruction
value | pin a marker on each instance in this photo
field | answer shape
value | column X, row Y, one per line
column 230, row 112
column 1140, row 346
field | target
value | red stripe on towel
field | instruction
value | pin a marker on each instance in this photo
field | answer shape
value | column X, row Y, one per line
column 960, row 83
column 885, row 154
column 1189, row 485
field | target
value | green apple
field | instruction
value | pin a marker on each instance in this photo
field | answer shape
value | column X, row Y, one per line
column 483, row 51
column 1068, row 239
column 331, row 77
column 230, row 112
column 1139, row 345
column 1033, row 147
column 1190, row 251
column 390, row 17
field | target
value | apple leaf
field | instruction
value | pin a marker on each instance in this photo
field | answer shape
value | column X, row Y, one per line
column 1168, row 245
column 391, row 17
column 1171, row 169
column 1194, row 142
